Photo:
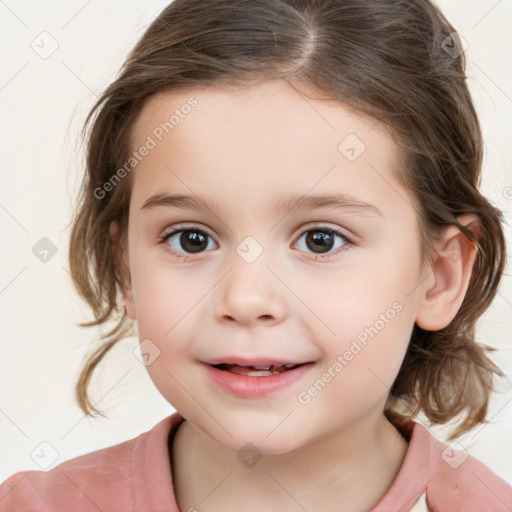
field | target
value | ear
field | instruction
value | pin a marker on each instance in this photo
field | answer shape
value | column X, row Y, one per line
column 123, row 267
column 448, row 281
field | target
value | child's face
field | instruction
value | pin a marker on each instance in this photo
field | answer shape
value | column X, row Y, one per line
column 253, row 289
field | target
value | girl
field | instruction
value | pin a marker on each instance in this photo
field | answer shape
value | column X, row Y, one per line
column 282, row 195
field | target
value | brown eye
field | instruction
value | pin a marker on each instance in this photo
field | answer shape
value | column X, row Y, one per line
column 190, row 241
column 319, row 241
column 322, row 240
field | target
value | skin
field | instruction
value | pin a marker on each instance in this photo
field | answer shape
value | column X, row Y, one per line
column 244, row 149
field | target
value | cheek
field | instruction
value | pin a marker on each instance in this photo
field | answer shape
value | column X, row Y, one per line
column 359, row 370
column 362, row 295
column 166, row 323
column 370, row 313
column 164, row 303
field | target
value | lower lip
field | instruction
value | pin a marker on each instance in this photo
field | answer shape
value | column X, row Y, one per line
column 256, row 387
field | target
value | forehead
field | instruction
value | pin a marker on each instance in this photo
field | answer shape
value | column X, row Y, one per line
column 259, row 139
column 274, row 105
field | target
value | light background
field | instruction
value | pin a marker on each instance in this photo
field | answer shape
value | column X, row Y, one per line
column 43, row 103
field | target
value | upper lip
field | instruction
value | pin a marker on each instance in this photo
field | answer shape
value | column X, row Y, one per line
column 256, row 361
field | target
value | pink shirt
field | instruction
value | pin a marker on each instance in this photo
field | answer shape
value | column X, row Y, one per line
column 136, row 476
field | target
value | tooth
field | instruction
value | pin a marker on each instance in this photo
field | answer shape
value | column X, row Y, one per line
column 256, row 371
column 245, row 370
column 259, row 374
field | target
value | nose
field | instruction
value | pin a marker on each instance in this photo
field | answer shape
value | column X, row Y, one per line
column 249, row 293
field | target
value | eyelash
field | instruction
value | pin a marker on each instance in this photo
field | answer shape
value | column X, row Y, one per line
column 179, row 229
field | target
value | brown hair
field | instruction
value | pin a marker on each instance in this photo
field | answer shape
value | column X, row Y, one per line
column 390, row 60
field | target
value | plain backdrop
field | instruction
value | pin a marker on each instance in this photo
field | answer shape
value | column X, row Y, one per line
column 46, row 90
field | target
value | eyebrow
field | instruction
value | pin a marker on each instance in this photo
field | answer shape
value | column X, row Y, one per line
column 292, row 203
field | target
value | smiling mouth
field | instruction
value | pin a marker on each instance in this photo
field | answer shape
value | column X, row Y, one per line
column 256, row 371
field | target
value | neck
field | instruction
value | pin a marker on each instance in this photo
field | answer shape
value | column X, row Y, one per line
column 350, row 469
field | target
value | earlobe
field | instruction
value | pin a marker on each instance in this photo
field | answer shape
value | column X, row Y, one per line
column 123, row 266
column 450, row 275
